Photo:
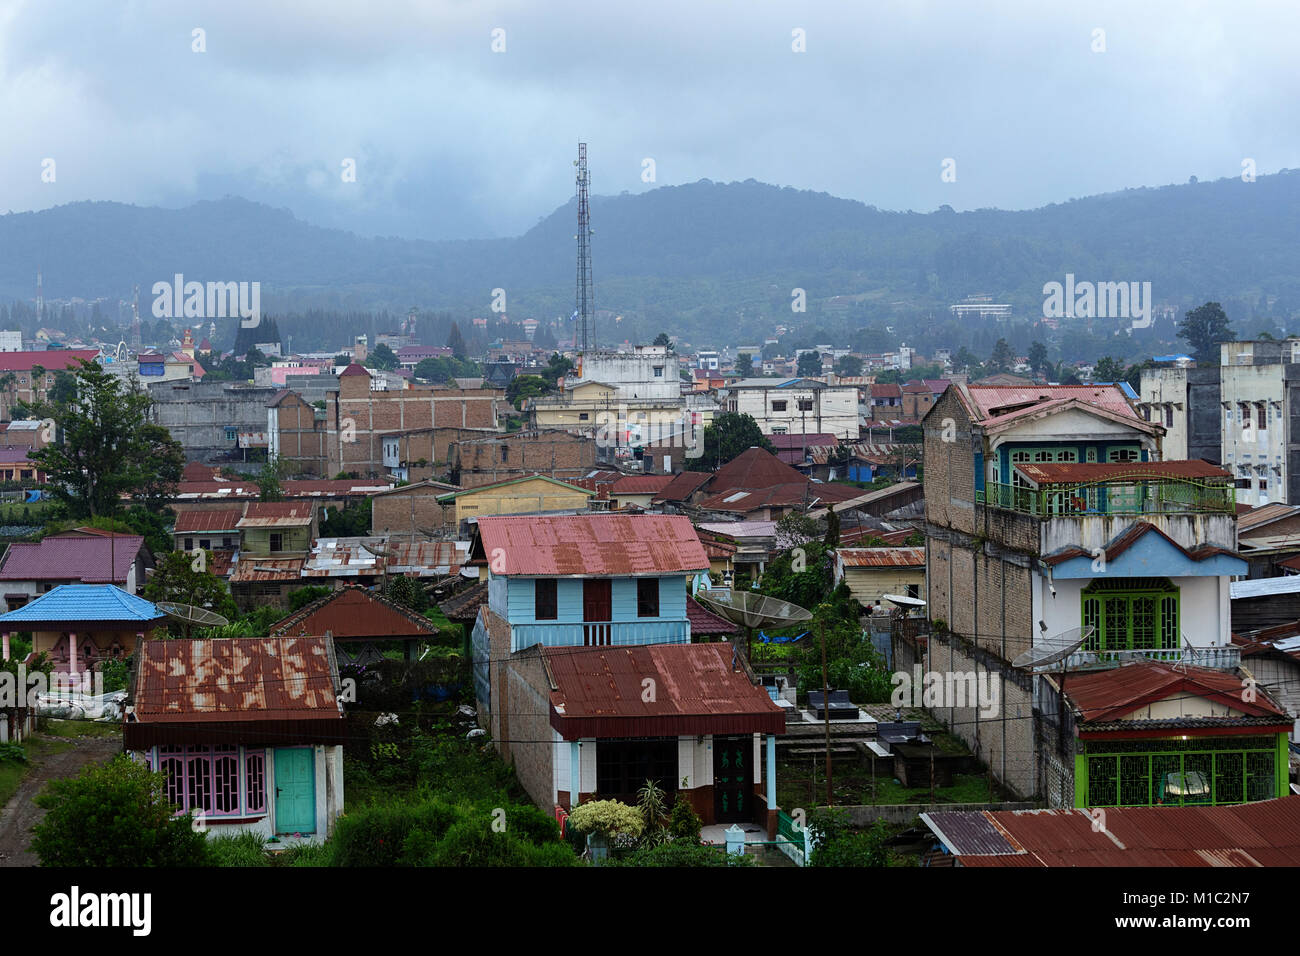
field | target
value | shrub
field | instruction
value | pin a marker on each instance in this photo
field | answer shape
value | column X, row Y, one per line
column 607, row 818
column 244, row 849
column 528, row 823
column 685, row 823
column 376, row 835
column 838, row 844
column 114, row 814
column 309, row 854
column 13, row 751
column 681, row 853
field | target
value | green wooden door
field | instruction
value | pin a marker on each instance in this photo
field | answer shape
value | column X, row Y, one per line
column 295, row 791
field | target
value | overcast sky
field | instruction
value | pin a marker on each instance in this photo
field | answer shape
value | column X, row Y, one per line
column 454, row 140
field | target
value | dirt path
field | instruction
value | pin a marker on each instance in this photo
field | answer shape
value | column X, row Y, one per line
column 21, row 814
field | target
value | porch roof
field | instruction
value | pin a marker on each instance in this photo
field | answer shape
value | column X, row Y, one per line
column 601, row 692
column 1103, row 698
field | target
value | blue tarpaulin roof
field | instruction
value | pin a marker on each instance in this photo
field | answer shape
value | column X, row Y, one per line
column 84, row 602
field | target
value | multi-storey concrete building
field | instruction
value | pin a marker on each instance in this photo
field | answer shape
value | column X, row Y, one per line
column 796, row 406
column 1259, row 393
column 1049, row 517
column 1185, row 401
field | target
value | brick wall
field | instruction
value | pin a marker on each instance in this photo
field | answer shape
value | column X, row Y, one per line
column 530, row 733
column 554, row 453
column 413, row 506
column 361, row 421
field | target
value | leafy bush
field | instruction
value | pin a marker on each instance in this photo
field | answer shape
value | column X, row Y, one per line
column 684, row 823
column 303, row 596
column 115, row 674
column 376, row 835
column 309, row 854
column 607, row 818
column 680, row 853
column 13, row 752
column 837, row 843
column 114, row 814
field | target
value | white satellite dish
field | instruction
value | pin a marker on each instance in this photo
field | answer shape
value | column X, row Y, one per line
column 1055, row 648
column 904, row 601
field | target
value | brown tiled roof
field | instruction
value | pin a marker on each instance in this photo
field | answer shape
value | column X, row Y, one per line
column 754, row 468
column 703, row 621
column 683, row 486
column 356, row 613
column 600, row 692
column 640, row 485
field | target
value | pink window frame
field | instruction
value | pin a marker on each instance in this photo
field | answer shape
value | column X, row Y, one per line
column 208, row 757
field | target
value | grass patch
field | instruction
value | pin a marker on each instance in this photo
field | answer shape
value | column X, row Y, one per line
column 12, row 771
column 80, row 728
column 799, row 784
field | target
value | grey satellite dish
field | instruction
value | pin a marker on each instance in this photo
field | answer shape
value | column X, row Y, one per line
column 189, row 614
column 904, row 601
column 751, row 610
column 1055, row 648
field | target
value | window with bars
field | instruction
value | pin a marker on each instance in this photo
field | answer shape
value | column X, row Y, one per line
column 1122, row 454
column 1181, row 773
column 206, row 780
column 1131, row 614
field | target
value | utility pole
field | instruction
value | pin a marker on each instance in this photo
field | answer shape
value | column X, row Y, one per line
column 826, row 710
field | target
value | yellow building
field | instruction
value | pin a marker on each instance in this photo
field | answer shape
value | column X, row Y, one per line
column 527, row 495
column 872, row 573
column 594, row 406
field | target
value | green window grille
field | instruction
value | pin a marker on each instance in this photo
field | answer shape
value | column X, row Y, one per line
column 1132, row 614
column 1202, row 776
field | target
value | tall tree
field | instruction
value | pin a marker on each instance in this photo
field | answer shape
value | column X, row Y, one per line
column 1038, row 363
column 730, row 434
column 810, row 363
column 108, row 452
column 745, row 365
column 664, row 341
column 383, row 358
column 456, row 342
column 268, row 482
column 1108, row 369
column 1003, row 359
column 1205, row 328
column 848, row 366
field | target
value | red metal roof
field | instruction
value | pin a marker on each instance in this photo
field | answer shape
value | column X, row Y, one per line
column 224, row 519
column 355, row 613
column 1115, row 693
column 589, row 544
column 197, row 471
column 51, row 360
column 882, row 557
column 90, row 559
column 784, row 495
column 354, row 369
column 886, row 391
column 1129, row 537
column 993, row 400
column 252, row 569
column 274, row 514
column 1072, row 473
column 1266, row 833
column 601, row 692
column 262, row 678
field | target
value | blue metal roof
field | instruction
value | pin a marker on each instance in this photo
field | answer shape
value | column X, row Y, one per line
column 84, row 602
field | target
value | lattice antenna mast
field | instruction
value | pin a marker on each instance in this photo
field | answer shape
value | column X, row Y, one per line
column 585, row 304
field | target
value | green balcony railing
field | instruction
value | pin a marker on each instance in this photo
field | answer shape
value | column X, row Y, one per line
column 1129, row 496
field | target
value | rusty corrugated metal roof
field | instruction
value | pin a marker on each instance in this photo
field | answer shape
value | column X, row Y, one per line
column 1266, row 833
column 601, row 692
column 198, row 521
column 277, row 514
column 590, row 544
column 1114, row 693
column 882, row 557
column 251, row 569
column 234, row 679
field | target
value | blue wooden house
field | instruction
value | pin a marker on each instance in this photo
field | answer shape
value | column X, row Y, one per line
column 600, row 600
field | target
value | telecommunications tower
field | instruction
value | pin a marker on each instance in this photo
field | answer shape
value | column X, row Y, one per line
column 584, row 308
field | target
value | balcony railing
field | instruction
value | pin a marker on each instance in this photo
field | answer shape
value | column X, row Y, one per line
column 1220, row 658
column 1124, row 497
column 599, row 634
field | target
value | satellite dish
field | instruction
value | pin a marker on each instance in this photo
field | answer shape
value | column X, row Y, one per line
column 753, row 610
column 903, row 601
column 1055, row 648
column 189, row 614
